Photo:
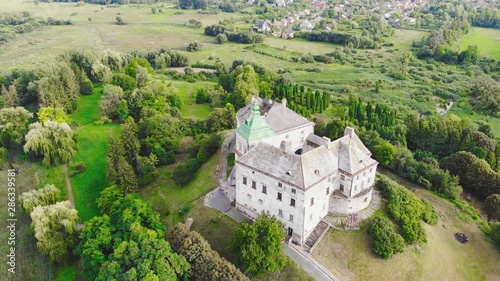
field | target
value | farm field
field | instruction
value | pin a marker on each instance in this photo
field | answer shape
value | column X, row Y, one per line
column 348, row 254
column 487, row 39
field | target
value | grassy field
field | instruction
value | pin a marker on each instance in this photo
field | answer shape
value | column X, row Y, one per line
column 92, row 146
column 487, row 39
column 187, row 92
column 349, row 256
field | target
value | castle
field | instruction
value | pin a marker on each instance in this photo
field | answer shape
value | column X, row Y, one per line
column 283, row 168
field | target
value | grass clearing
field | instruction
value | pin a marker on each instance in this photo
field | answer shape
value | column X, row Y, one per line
column 349, row 255
column 187, row 92
column 92, row 146
column 68, row 273
column 487, row 39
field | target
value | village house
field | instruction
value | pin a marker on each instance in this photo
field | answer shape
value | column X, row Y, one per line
column 288, row 33
column 283, row 168
column 262, row 27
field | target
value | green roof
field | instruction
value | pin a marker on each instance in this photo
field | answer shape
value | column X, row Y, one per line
column 256, row 127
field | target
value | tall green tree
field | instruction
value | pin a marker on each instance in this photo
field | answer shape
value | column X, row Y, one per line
column 222, row 119
column 55, row 141
column 54, row 227
column 206, row 264
column 13, row 125
column 47, row 195
column 9, row 96
column 129, row 244
column 53, row 114
column 131, row 143
column 258, row 246
column 118, row 170
column 246, row 86
column 492, row 206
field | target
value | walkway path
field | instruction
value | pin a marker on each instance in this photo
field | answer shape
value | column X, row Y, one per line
column 309, row 264
column 68, row 186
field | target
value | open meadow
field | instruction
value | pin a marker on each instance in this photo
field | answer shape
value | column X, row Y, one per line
column 487, row 39
column 348, row 254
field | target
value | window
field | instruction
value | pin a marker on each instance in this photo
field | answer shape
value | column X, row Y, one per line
column 327, row 190
column 362, row 184
column 371, row 169
column 355, row 188
column 342, row 177
column 264, row 189
column 261, row 202
column 369, row 180
column 292, row 202
column 294, row 191
column 244, row 180
column 291, row 218
column 310, row 217
column 342, row 187
column 254, row 185
column 279, row 196
column 312, row 201
column 279, row 184
column 280, row 213
column 249, row 197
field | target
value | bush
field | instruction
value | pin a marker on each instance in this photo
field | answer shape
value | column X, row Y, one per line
column 202, row 96
column 193, row 47
column 387, row 242
column 221, row 38
column 183, row 173
column 77, row 168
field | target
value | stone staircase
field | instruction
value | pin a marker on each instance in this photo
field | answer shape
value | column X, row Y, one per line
column 317, row 233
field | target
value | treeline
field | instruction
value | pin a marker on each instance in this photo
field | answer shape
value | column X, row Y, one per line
column 20, row 23
column 298, row 99
column 486, row 17
column 247, row 37
column 408, row 210
column 446, row 136
column 353, row 41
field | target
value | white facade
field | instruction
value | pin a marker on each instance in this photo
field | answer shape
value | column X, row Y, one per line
column 282, row 168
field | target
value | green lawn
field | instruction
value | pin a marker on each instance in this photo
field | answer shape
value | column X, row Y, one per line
column 187, row 92
column 68, row 273
column 92, row 146
column 487, row 39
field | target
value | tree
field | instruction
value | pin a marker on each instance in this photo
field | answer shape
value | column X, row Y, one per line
column 258, row 246
column 55, row 141
column 221, row 119
column 52, row 114
column 246, row 85
column 108, row 197
column 206, row 264
column 47, row 195
column 13, row 125
column 384, row 153
column 129, row 244
column 221, row 38
column 130, row 142
column 118, row 170
column 194, row 23
column 54, row 227
column 110, row 102
column 120, row 21
column 193, row 47
column 492, row 206
column 9, row 96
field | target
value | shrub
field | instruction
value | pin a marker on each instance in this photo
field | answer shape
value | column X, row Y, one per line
column 386, row 241
column 221, row 38
column 193, row 47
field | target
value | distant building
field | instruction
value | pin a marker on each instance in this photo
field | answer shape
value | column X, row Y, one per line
column 262, row 27
column 288, row 33
column 283, row 168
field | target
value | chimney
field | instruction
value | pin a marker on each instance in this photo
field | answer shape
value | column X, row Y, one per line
column 326, row 142
column 283, row 102
column 349, row 131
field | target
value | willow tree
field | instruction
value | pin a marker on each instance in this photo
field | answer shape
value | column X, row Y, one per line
column 13, row 125
column 55, row 141
column 54, row 227
column 47, row 195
